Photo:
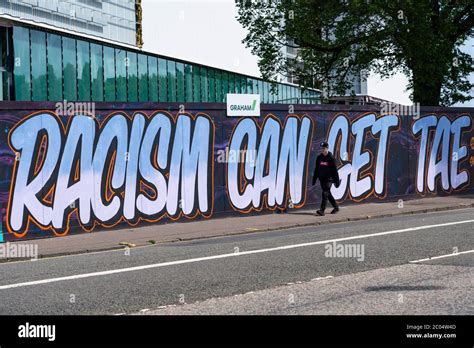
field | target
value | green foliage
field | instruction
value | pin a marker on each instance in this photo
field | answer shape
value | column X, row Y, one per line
column 336, row 38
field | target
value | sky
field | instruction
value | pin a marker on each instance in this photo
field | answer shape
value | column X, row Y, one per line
column 207, row 32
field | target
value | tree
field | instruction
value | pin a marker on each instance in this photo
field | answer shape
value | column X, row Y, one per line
column 335, row 38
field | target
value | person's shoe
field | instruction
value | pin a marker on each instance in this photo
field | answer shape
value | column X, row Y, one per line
column 320, row 212
column 335, row 210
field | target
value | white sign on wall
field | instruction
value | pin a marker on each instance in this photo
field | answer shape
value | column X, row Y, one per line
column 243, row 104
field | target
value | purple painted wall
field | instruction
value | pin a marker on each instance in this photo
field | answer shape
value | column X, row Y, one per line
column 140, row 163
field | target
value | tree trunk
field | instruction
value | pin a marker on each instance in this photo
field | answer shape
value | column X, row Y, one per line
column 426, row 87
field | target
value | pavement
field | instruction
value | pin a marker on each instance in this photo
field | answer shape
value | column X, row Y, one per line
column 434, row 288
column 418, row 263
column 226, row 226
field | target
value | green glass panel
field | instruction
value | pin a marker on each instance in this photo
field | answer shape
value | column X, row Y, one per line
column 55, row 71
column 255, row 86
column 4, row 80
column 211, row 77
column 231, row 85
column 237, row 84
column 225, row 85
column 188, row 77
column 109, row 73
column 132, row 76
column 243, row 84
column 38, row 69
column 265, row 92
column 97, row 73
column 180, row 83
column 21, row 66
column 171, row 81
column 162, row 78
column 204, row 85
column 83, row 71
column 196, row 84
column 142, row 78
column 250, row 86
column 69, row 69
column 218, row 79
column 121, row 75
column 153, row 78
column 273, row 94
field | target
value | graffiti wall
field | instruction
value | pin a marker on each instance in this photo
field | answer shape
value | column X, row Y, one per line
column 124, row 165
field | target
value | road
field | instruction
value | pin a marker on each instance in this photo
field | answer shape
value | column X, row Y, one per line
column 277, row 272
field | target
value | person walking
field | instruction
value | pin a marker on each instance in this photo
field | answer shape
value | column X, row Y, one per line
column 326, row 171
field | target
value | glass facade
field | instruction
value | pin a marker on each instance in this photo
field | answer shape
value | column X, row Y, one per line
column 171, row 68
column 153, row 78
column 109, row 73
column 132, row 76
column 21, row 64
column 142, row 78
column 162, row 77
column 69, row 69
column 218, row 79
column 180, row 82
column 225, row 85
column 97, row 73
column 83, row 72
column 55, row 71
column 188, row 78
column 4, row 66
column 38, row 69
column 204, row 85
column 50, row 66
column 196, row 84
column 212, row 85
column 121, row 75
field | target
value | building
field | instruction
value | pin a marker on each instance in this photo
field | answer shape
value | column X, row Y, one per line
column 358, row 81
column 44, row 62
column 107, row 19
column 358, row 100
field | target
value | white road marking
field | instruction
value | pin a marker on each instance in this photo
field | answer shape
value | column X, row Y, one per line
column 443, row 256
column 222, row 256
column 80, row 254
column 322, row 278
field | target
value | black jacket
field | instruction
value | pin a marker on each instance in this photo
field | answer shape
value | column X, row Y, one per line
column 326, row 169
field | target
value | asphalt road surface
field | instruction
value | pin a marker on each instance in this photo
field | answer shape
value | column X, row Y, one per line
column 414, row 264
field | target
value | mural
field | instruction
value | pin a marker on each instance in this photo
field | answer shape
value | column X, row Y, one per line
column 120, row 169
column 279, row 163
column 77, row 173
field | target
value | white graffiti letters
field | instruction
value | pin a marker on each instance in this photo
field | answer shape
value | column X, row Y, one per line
column 140, row 168
column 444, row 154
column 280, row 163
column 349, row 173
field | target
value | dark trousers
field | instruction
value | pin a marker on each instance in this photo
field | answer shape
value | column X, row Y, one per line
column 327, row 195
